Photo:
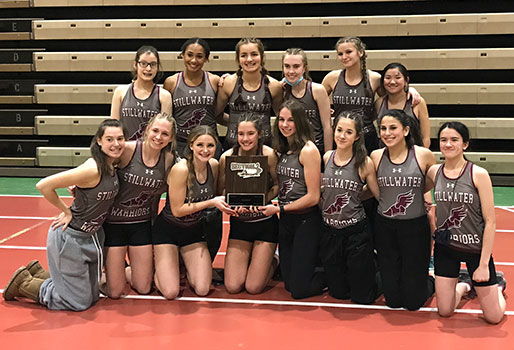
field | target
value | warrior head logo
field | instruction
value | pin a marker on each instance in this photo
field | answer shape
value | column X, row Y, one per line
column 141, row 199
column 285, row 188
column 454, row 220
column 98, row 220
column 403, row 201
column 196, row 118
column 140, row 132
column 340, row 201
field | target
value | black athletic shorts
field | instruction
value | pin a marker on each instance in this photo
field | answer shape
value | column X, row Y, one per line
column 165, row 232
column 121, row 235
column 265, row 230
column 447, row 264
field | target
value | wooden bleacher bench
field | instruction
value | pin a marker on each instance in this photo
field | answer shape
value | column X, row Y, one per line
column 223, row 61
column 285, row 27
column 435, row 94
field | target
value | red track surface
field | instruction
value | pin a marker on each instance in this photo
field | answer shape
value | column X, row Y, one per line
column 242, row 321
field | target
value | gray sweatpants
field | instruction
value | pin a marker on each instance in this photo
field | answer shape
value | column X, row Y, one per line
column 75, row 262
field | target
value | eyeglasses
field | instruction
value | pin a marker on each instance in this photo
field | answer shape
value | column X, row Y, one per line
column 144, row 64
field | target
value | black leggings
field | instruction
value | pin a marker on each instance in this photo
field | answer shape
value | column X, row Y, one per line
column 298, row 244
column 349, row 264
column 403, row 248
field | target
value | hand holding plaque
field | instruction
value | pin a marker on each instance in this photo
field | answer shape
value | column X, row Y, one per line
column 246, row 180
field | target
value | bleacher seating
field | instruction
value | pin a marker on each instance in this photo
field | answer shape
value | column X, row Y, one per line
column 58, row 75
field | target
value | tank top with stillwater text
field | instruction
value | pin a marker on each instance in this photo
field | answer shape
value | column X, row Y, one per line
column 91, row 205
column 340, row 203
column 459, row 209
column 139, row 187
column 312, row 113
column 200, row 192
column 136, row 113
column 291, row 178
column 401, row 187
column 193, row 106
column 358, row 98
column 252, row 101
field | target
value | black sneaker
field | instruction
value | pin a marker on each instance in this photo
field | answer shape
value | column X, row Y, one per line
column 464, row 277
column 502, row 282
column 218, row 276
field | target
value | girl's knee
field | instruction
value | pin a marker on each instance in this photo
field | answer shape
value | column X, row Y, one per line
column 493, row 317
column 254, row 288
column 170, row 292
column 233, row 287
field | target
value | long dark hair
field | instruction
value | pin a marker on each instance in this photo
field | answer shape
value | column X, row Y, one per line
column 264, row 72
column 189, row 156
column 361, row 47
column 358, row 148
column 303, row 132
column 148, row 49
column 306, row 75
column 96, row 150
column 414, row 135
column 256, row 120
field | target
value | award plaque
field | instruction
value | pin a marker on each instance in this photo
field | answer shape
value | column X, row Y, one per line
column 246, row 180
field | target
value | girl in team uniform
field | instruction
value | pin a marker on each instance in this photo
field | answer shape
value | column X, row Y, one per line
column 193, row 93
column 249, row 89
column 346, row 240
column 75, row 238
column 466, row 226
column 135, row 104
column 402, row 233
column 180, row 227
column 142, row 171
column 299, row 177
column 253, row 236
column 353, row 88
column 313, row 96
column 395, row 82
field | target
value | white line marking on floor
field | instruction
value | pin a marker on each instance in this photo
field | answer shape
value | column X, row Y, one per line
column 21, row 247
column 27, row 217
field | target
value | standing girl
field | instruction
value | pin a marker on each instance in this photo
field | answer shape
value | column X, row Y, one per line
column 466, row 225
column 299, row 177
column 249, row 89
column 395, row 82
column 253, row 236
column 313, row 96
column 75, row 238
column 353, row 88
column 135, row 104
column 402, row 233
column 346, row 240
column 142, row 171
column 193, row 92
column 180, row 225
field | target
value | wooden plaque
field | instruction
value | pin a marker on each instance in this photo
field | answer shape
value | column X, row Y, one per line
column 246, row 180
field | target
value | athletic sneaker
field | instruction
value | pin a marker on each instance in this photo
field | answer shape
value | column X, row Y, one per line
column 464, row 277
column 502, row 282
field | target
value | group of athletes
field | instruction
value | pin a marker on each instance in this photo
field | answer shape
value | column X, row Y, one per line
column 353, row 204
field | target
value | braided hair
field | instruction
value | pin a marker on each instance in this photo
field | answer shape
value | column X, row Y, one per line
column 361, row 48
column 264, row 72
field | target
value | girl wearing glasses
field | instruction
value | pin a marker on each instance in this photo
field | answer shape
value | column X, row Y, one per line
column 135, row 104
